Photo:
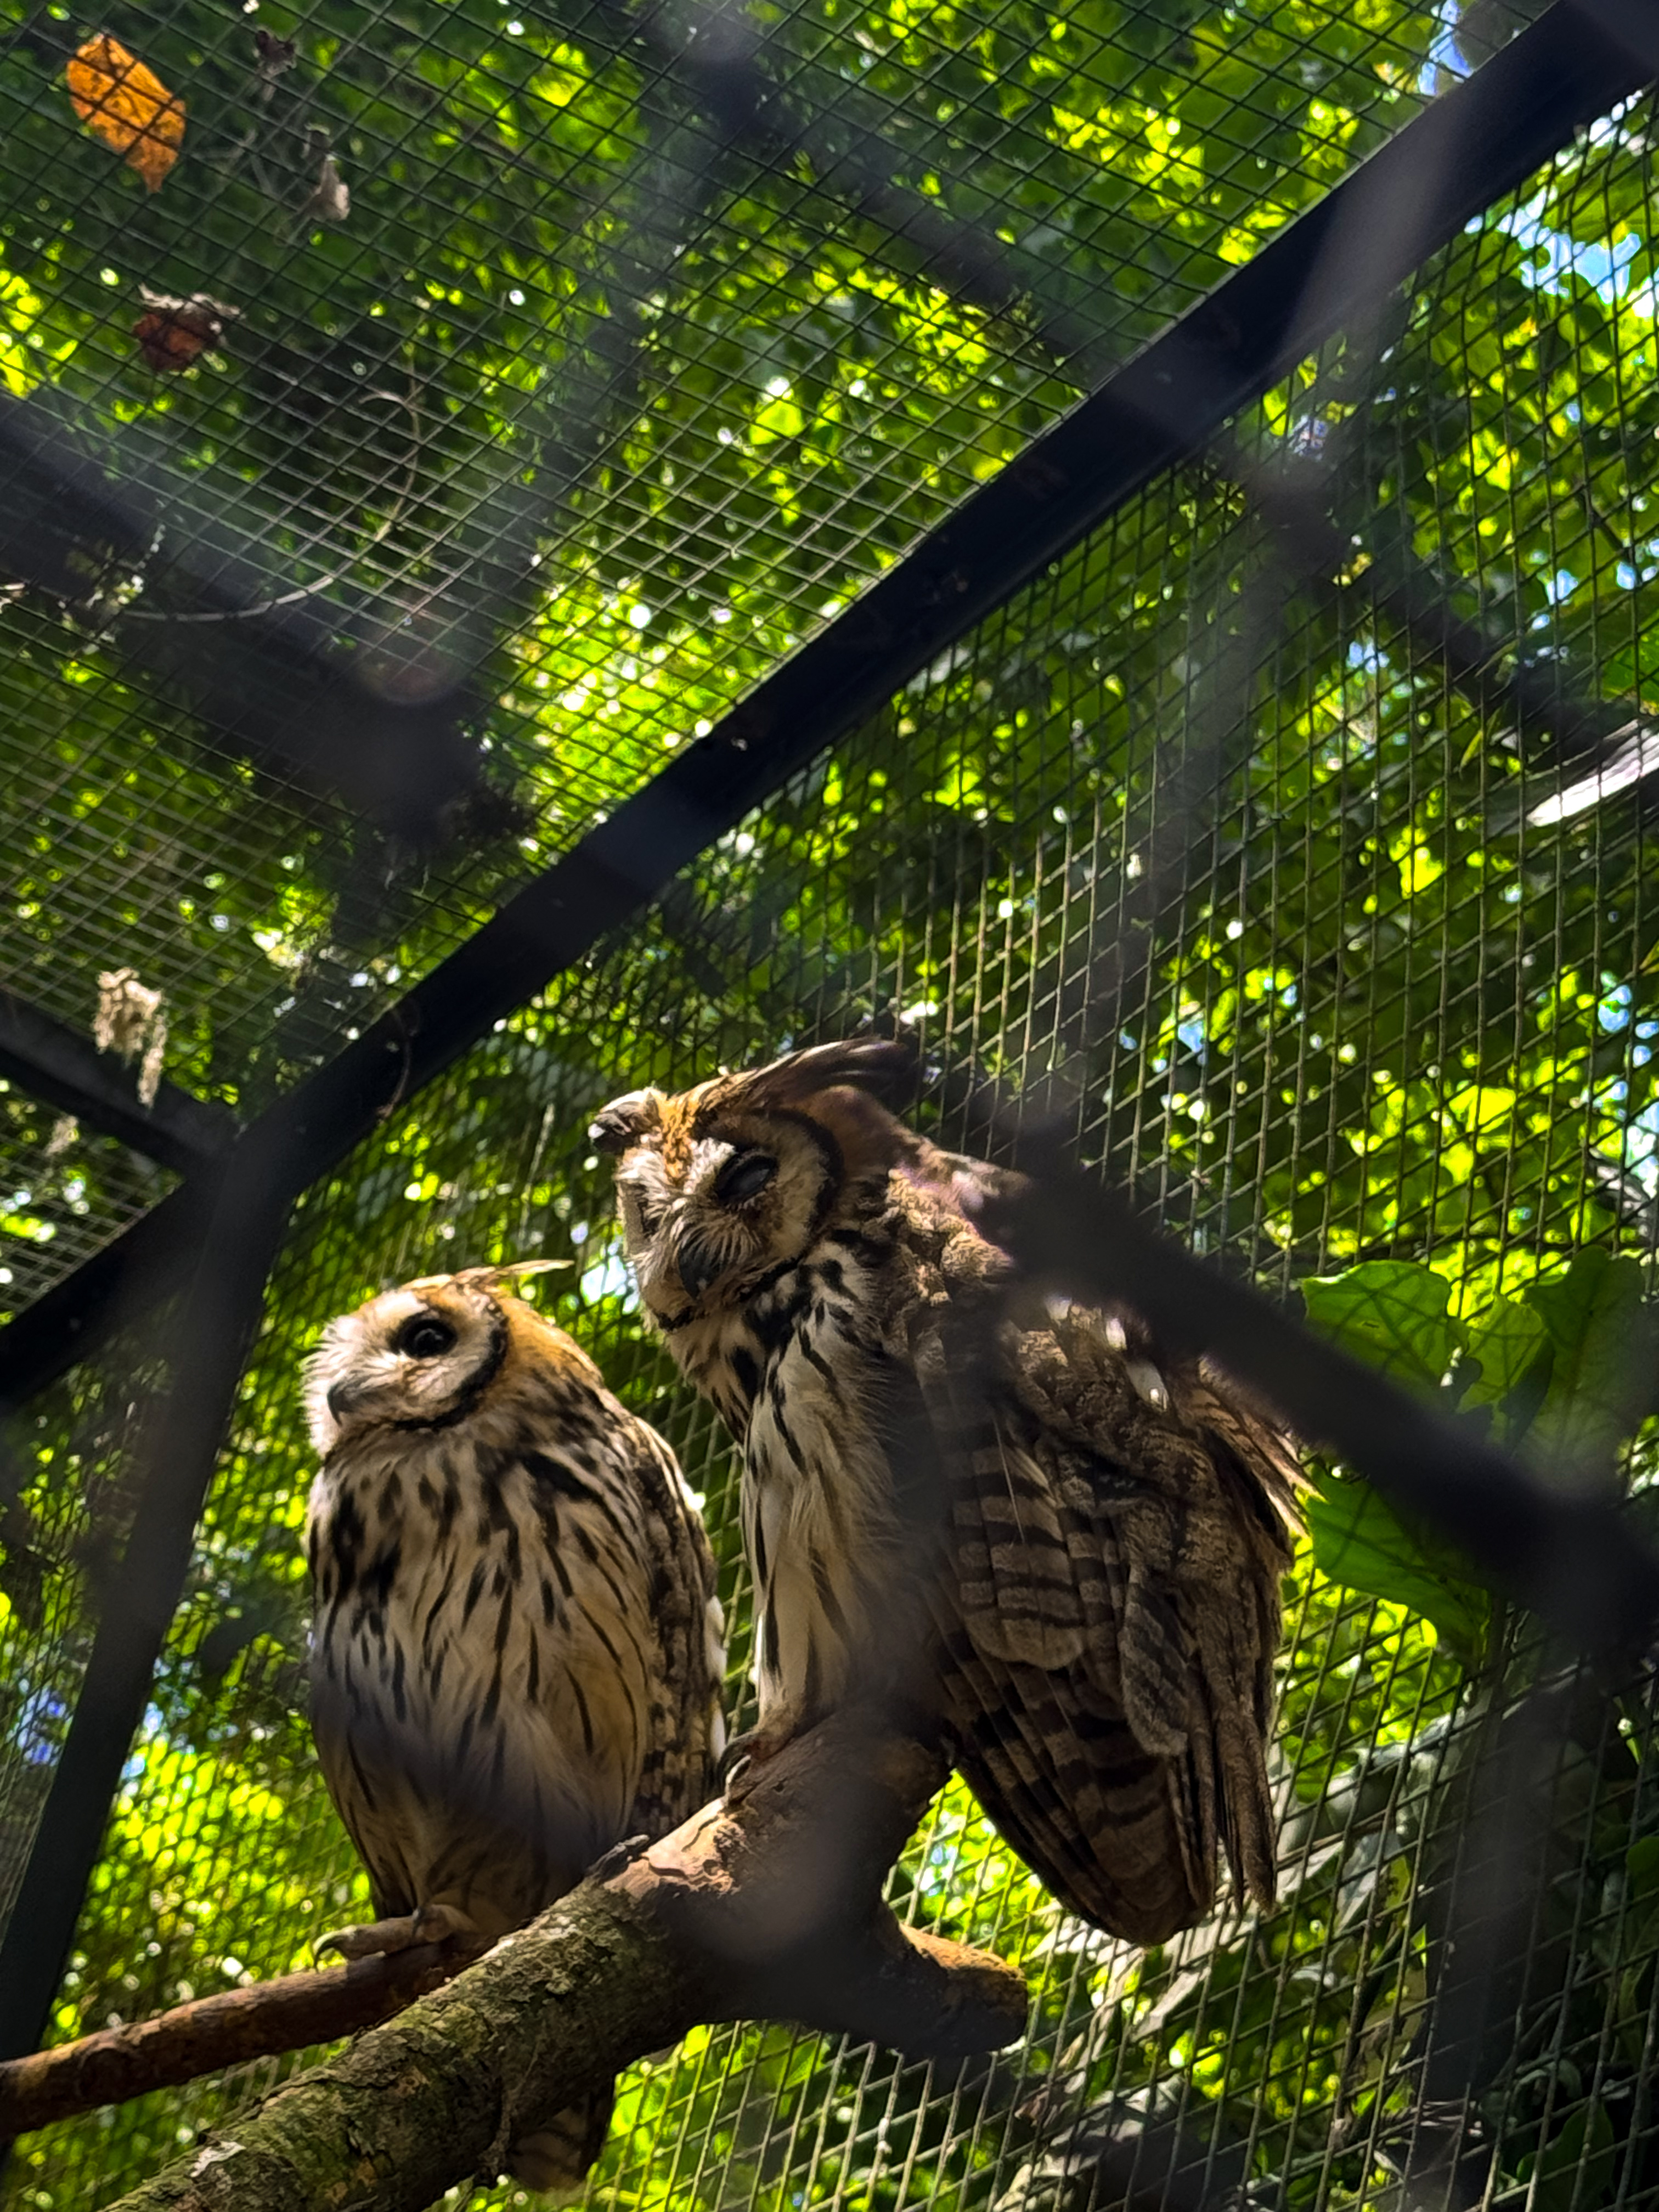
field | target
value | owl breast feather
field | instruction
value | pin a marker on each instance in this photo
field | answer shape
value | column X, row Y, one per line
column 809, row 1388
column 480, row 1737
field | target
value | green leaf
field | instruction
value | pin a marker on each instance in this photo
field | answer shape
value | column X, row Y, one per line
column 1573, row 2170
column 1642, row 1866
column 1507, row 1348
column 1391, row 1313
column 1601, row 1361
column 1637, row 1940
column 1359, row 1539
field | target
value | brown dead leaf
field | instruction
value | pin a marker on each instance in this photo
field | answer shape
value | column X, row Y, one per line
column 128, row 106
column 176, row 333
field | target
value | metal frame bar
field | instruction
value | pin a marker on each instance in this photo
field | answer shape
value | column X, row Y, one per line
column 219, row 1320
column 49, row 1060
column 1335, row 263
column 271, row 680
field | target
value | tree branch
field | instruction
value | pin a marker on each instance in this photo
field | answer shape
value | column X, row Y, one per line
column 767, row 1906
column 226, row 2029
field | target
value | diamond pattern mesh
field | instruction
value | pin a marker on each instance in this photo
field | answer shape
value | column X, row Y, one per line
column 1334, row 964
column 579, row 397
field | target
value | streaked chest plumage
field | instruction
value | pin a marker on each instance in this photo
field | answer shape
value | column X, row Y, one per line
column 486, row 1657
column 802, row 1378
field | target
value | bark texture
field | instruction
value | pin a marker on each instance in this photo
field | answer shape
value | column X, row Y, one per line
column 226, row 2029
column 767, row 1906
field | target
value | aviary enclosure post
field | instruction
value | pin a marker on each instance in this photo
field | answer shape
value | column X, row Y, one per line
column 631, row 589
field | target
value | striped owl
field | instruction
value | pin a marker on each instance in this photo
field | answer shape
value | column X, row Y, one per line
column 1004, row 1512
column 516, row 1649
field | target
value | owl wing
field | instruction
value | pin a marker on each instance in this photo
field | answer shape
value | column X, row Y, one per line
column 1110, row 1609
column 685, row 1731
column 370, row 1810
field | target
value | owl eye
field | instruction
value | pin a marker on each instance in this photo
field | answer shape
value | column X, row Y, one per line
column 744, row 1178
column 425, row 1337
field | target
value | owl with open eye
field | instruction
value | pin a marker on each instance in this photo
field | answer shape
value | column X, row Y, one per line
column 517, row 1649
column 1005, row 1512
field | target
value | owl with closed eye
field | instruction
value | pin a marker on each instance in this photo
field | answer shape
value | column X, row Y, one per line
column 517, row 1649
column 1010, row 1513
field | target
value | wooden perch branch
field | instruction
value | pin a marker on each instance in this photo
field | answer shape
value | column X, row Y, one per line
column 225, row 2029
column 766, row 1907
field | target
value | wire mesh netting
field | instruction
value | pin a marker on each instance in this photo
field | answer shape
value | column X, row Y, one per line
column 583, row 408
column 1350, row 973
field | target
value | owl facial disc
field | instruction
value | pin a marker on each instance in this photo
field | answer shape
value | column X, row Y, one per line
column 411, row 1357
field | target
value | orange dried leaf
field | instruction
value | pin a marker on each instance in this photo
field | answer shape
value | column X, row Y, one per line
column 128, row 106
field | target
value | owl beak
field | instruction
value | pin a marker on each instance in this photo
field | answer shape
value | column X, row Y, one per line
column 699, row 1264
column 342, row 1398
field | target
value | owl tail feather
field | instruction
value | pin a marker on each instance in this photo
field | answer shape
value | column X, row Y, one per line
column 554, row 2158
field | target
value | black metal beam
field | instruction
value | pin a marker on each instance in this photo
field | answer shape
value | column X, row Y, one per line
column 148, row 1259
column 262, row 666
column 245, row 1219
column 1337, row 262
column 53, row 1061
column 718, row 57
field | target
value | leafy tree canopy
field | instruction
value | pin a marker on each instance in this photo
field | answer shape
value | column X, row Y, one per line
column 579, row 389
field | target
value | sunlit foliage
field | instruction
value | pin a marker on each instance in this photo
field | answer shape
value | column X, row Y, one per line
column 1389, row 1025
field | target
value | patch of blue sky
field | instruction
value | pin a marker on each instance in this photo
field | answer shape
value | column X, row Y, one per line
column 38, row 1730
column 1444, row 64
column 1640, row 1147
column 1556, row 259
column 611, row 1278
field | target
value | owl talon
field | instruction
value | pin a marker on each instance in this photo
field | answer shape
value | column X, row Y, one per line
column 738, row 1757
column 368, row 1939
column 371, row 1939
column 747, row 1754
column 440, row 1924
column 618, row 1857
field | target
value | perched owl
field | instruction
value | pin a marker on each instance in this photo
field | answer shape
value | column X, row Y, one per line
column 1005, row 1511
column 516, row 1646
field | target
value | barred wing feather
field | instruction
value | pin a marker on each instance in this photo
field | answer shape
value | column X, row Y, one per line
column 1111, row 1608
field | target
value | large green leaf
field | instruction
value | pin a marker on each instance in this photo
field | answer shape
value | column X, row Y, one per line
column 1391, row 1313
column 1359, row 1540
column 1601, row 1378
column 1573, row 2172
column 1507, row 1352
column 1568, row 1370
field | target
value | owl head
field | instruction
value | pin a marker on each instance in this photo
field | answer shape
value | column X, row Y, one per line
column 416, row 1358
column 720, row 1186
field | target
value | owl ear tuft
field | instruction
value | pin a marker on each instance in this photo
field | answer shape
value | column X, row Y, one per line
column 625, row 1121
column 887, row 1068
